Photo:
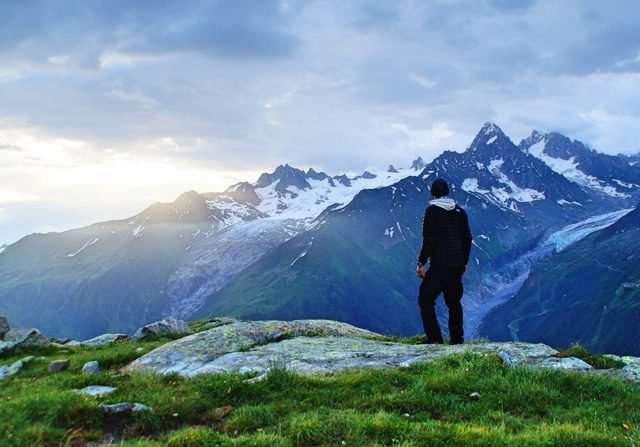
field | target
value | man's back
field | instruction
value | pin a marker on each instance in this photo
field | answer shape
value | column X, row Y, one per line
column 446, row 235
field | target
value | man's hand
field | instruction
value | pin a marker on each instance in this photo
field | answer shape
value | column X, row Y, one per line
column 420, row 271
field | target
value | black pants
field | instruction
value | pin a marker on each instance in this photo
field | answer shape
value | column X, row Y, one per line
column 447, row 280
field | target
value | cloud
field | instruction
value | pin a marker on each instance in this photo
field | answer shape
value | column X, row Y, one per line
column 75, row 34
column 240, row 87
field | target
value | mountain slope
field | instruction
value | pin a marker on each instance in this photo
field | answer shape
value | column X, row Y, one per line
column 116, row 276
column 588, row 293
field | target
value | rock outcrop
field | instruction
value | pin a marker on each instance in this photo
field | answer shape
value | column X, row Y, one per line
column 9, row 370
column 102, row 340
column 322, row 346
column 167, row 326
column 26, row 337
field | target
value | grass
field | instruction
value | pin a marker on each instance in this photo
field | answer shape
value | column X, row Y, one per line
column 425, row 404
column 598, row 361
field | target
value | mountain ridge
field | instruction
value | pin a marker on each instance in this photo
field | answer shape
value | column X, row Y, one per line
column 214, row 249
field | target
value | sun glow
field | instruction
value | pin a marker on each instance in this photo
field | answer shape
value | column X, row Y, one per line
column 94, row 183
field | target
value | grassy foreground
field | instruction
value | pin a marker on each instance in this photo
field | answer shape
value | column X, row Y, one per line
column 426, row 404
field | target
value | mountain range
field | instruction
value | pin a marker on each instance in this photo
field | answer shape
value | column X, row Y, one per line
column 299, row 244
column 588, row 293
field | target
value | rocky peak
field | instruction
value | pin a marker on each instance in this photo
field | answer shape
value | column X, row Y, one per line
column 188, row 207
column 491, row 143
column 366, row 175
column 243, row 192
column 315, row 175
column 418, row 164
column 343, row 179
column 392, row 169
column 286, row 176
column 535, row 137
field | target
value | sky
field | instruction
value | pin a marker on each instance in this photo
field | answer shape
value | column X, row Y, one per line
column 108, row 106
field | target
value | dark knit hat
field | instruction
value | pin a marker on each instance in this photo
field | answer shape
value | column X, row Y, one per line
column 439, row 188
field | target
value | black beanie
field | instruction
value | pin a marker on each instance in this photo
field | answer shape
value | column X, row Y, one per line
column 439, row 188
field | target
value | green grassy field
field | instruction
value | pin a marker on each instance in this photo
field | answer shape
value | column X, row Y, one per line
column 426, row 404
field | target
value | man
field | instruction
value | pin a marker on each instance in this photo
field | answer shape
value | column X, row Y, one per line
column 446, row 244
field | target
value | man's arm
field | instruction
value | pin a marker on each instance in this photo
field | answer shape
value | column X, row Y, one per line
column 466, row 239
column 428, row 236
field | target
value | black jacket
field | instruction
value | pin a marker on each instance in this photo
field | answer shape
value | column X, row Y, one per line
column 446, row 237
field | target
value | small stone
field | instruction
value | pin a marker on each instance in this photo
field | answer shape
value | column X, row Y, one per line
column 140, row 349
column 222, row 412
column 140, row 407
column 58, row 365
column 105, row 339
column 123, row 407
column 475, row 395
column 91, row 367
column 4, row 326
column 506, row 358
column 96, row 390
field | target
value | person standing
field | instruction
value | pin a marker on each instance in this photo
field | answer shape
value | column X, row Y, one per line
column 446, row 245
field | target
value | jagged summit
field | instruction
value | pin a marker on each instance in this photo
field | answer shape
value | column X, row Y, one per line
column 315, row 175
column 490, row 137
column 286, row 176
column 490, row 128
column 535, row 137
column 343, row 179
column 418, row 164
column 605, row 174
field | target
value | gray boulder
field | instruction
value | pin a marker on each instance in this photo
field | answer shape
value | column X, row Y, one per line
column 9, row 370
column 103, row 339
column 27, row 337
column 58, row 365
column 91, row 367
column 96, row 390
column 199, row 352
column 167, row 326
column 4, row 326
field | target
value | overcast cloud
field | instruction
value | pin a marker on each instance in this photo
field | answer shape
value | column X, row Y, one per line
column 107, row 106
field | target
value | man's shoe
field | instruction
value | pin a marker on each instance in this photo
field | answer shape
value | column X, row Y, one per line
column 457, row 342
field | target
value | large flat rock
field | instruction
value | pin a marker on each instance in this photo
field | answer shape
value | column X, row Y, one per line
column 189, row 355
column 318, row 346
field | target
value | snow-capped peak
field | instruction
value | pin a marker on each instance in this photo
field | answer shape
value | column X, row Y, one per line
column 559, row 153
column 488, row 135
column 490, row 129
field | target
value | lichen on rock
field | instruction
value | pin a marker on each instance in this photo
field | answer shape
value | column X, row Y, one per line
column 321, row 346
